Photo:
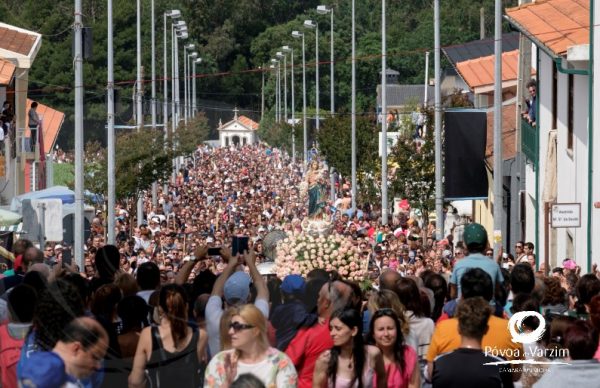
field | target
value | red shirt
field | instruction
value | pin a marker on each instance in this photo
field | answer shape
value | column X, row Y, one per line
column 305, row 348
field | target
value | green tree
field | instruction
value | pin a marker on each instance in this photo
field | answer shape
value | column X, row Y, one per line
column 413, row 167
column 95, row 171
column 188, row 137
column 335, row 146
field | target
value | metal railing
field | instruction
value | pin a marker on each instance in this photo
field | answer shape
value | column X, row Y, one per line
column 529, row 142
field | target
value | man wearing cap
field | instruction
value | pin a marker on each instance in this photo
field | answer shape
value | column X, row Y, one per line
column 290, row 316
column 476, row 240
column 234, row 287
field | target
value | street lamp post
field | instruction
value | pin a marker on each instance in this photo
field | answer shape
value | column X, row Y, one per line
column 110, row 116
column 353, row 109
column 310, row 24
column 277, row 63
column 439, row 190
column 287, row 49
column 153, row 90
column 280, row 55
column 78, row 227
column 181, row 33
column 323, row 10
column 262, row 92
column 384, row 178
column 191, row 58
column 177, row 31
column 173, row 14
column 195, row 108
column 187, row 47
column 297, row 34
column 272, row 67
column 138, row 96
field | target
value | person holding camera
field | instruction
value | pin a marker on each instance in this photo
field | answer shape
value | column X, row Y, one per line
column 234, row 287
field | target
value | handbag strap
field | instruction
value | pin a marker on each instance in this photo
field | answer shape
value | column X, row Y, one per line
column 162, row 356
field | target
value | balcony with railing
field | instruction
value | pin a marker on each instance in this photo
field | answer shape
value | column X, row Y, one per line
column 529, row 142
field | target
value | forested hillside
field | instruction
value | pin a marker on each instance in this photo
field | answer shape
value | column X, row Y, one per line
column 234, row 38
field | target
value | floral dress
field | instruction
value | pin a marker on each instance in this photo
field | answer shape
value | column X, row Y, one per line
column 276, row 370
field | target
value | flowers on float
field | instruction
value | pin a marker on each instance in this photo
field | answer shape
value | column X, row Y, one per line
column 301, row 253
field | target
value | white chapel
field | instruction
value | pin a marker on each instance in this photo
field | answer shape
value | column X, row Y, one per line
column 238, row 132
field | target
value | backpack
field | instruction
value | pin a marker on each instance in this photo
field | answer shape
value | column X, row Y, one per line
column 10, row 353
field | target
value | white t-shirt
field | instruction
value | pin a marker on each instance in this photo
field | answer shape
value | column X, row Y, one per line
column 276, row 370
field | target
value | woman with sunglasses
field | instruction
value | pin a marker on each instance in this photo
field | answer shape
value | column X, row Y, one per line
column 350, row 363
column 400, row 360
column 250, row 353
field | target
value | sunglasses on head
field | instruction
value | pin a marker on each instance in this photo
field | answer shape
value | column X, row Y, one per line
column 236, row 326
column 385, row 312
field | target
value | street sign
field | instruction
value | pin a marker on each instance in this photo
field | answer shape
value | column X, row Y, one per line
column 566, row 215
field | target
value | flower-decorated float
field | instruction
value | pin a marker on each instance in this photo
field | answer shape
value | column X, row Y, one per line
column 317, row 246
column 301, row 253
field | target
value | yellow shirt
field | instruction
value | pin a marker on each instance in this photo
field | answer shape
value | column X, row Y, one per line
column 497, row 342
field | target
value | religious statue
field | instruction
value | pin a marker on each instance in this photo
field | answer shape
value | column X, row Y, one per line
column 317, row 190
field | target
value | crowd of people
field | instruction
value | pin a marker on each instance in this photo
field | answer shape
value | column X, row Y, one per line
column 173, row 304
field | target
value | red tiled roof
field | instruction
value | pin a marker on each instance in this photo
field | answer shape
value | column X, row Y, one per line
column 480, row 72
column 16, row 41
column 7, row 69
column 509, row 134
column 248, row 122
column 557, row 24
column 51, row 122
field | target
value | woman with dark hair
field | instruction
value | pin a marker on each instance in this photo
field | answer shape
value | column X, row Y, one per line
column 133, row 312
column 555, row 297
column 173, row 346
column 106, row 261
column 400, row 360
column 595, row 319
column 350, row 363
column 587, row 287
column 104, row 308
column 438, row 284
column 421, row 327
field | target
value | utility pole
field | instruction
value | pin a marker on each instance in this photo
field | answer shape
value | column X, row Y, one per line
column 153, row 65
column 110, row 117
column 78, row 227
column 262, row 93
column 426, row 92
column 439, row 193
column 384, row 178
column 498, row 175
column 353, row 108
column 139, row 113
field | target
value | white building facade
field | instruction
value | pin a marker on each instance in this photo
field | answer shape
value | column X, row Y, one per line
column 240, row 131
column 562, row 167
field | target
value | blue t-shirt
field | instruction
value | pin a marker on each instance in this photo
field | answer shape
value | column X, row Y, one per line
column 476, row 260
